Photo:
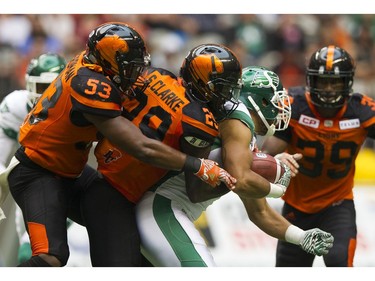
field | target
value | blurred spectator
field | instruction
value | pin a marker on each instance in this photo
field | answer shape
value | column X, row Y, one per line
column 252, row 35
column 335, row 32
column 277, row 41
column 84, row 24
column 8, row 66
column 288, row 39
column 62, row 28
column 291, row 68
column 14, row 29
column 38, row 40
column 288, row 35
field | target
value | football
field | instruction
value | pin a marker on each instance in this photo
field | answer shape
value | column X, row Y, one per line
column 267, row 166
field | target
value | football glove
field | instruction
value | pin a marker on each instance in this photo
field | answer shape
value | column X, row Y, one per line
column 284, row 181
column 316, row 242
column 211, row 173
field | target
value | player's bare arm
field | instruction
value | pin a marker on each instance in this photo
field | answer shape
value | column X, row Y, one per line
column 237, row 159
column 265, row 217
column 313, row 241
column 124, row 134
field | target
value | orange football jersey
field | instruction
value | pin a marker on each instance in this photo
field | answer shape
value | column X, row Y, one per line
column 163, row 111
column 55, row 135
column 329, row 148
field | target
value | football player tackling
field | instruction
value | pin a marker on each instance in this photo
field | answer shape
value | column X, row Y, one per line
column 166, row 214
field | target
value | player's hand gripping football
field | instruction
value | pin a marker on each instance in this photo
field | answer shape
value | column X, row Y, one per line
column 317, row 242
column 211, row 173
column 291, row 161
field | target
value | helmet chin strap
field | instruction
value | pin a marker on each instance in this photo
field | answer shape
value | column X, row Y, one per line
column 270, row 128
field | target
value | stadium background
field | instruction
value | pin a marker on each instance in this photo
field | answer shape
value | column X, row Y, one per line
column 281, row 42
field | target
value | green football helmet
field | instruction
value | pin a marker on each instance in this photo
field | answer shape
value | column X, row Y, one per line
column 40, row 72
column 264, row 93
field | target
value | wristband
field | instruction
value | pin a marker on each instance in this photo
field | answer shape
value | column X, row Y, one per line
column 192, row 164
column 276, row 191
column 294, row 235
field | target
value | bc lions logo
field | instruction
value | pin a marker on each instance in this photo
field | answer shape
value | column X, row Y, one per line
column 112, row 155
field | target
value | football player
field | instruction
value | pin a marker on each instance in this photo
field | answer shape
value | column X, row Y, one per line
column 40, row 72
column 84, row 101
column 166, row 215
column 181, row 113
column 328, row 127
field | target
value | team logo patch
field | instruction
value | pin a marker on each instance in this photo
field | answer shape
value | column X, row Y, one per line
column 197, row 142
column 309, row 121
column 349, row 124
column 112, row 155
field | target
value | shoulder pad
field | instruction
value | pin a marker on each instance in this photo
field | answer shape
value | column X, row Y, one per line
column 242, row 114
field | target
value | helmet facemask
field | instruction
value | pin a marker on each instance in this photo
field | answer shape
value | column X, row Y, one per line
column 129, row 71
column 36, row 85
column 281, row 105
column 329, row 77
column 40, row 73
column 329, row 91
column 224, row 97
